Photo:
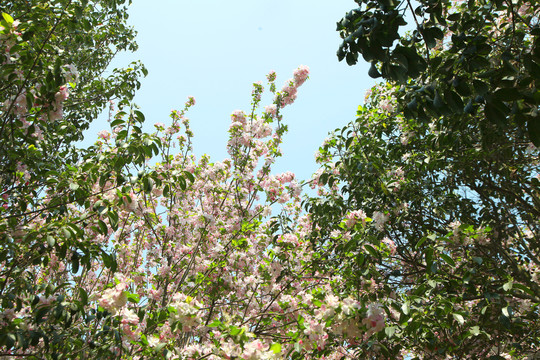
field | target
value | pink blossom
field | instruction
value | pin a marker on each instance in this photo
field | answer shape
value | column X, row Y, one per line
column 253, row 350
column 57, row 114
column 379, row 220
column 390, row 244
column 271, row 76
column 104, row 134
column 375, row 318
column 130, row 203
column 129, row 317
column 238, row 116
column 62, row 94
column 114, row 298
column 301, row 74
column 190, row 101
column 353, row 217
column 271, row 110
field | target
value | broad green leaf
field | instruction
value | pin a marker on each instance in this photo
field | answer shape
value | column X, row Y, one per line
column 7, row 18
column 420, row 242
column 507, row 311
column 215, row 323
column 390, row 331
column 533, row 127
column 406, row 307
column 523, row 288
column 371, row 250
column 275, row 348
column 459, row 318
column 447, row 259
column 134, row 298
column 83, row 296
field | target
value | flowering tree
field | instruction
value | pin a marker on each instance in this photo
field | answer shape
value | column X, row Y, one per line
column 104, row 255
column 200, row 270
column 429, row 200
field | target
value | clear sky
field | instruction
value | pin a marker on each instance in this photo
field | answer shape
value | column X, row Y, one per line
column 214, row 50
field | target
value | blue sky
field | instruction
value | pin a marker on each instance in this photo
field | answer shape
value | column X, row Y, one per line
column 215, row 50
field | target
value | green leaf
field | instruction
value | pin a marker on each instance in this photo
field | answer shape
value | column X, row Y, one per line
column 478, row 260
column 182, row 183
column 508, row 286
column 215, row 323
column 148, row 184
column 104, row 230
column 459, row 318
column 373, row 71
column 431, row 35
column 454, row 101
column 139, row 115
column 8, row 18
column 406, row 307
column 83, row 296
column 109, row 261
column 533, row 127
column 447, row 259
column 40, row 313
column 507, row 311
column 371, row 250
column 66, row 232
column 134, row 298
column 234, row 330
column 524, row 289
column 360, row 258
column 475, row 330
column 113, row 219
column 300, row 320
column 480, row 87
column 420, row 242
column 117, row 122
column 508, row 94
column 166, row 190
column 390, row 330
column 494, row 114
column 429, row 257
column 50, row 241
column 75, row 263
column 275, row 348
column 189, row 176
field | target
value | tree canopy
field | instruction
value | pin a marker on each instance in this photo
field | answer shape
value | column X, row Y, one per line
column 432, row 192
column 422, row 241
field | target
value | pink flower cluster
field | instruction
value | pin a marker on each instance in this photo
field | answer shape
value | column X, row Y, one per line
column 354, row 217
column 276, row 187
column 289, row 91
column 60, row 97
column 186, row 311
column 301, row 74
column 375, row 319
column 104, row 134
column 114, row 298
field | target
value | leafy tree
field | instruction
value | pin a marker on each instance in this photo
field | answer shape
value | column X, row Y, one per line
column 54, row 84
column 429, row 199
column 475, row 56
column 53, row 61
column 103, row 255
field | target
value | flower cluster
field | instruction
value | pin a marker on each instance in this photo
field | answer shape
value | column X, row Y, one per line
column 289, row 91
column 114, row 298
